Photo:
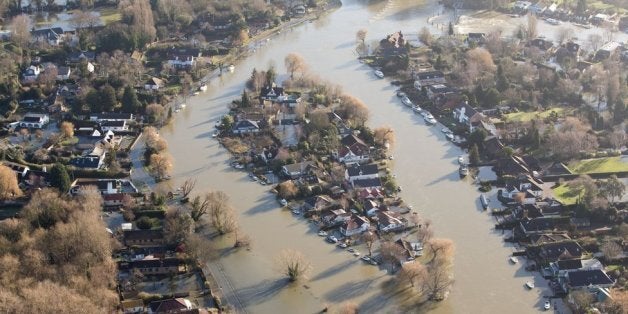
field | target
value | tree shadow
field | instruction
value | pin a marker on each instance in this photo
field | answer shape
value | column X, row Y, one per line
column 262, row 291
column 349, row 290
column 334, row 269
column 401, row 297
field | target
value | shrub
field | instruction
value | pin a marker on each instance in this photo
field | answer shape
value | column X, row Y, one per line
column 145, row 223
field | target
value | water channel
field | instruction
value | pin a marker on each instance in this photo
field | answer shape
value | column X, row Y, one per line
column 425, row 165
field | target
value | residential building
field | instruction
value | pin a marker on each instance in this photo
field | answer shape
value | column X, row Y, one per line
column 427, row 78
column 562, row 267
column 143, row 238
column 352, row 150
column 551, row 252
column 105, row 186
column 80, row 56
column 586, row 279
column 361, row 172
column 31, row 74
column 183, row 58
column 412, row 249
column 153, row 83
column 132, row 306
column 437, row 90
column 467, row 116
column 393, row 45
column 538, row 225
column 34, row 120
column 245, row 127
column 63, row 73
column 373, row 183
column 178, row 305
column 154, row 266
column 335, row 217
column 355, row 225
column 116, row 126
column 477, row 38
column 389, row 221
column 271, row 93
column 53, row 36
column 296, row 170
column 531, row 187
column 317, row 203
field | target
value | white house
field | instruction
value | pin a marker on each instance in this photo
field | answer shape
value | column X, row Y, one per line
column 111, row 116
column 335, row 217
column 245, row 127
column 352, row 150
column 529, row 185
column 296, row 170
column 63, row 73
column 355, row 225
column 386, row 221
column 115, row 126
column 31, row 74
column 34, row 120
column 361, row 172
column 153, row 84
column 467, row 116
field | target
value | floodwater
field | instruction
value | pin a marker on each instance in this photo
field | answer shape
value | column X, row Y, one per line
column 425, row 165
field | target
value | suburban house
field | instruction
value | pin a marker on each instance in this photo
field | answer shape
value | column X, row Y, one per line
column 94, row 159
column 355, row 225
column 335, row 217
column 317, row 203
column 370, row 193
column 427, row 78
column 153, row 83
column 388, row 221
column 372, row 183
column 34, row 120
column 178, row 305
column 31, row 74
column 143, row 238
column 53, row 36
column 183, row 58
column 271, row 93
column 105, row 186
column 361, row 172
column 516, row 166
column 154, row 266
column 80, row 56
column 352, row 150
column 548, row 238
column 116, row 126
column 528, row 185
column 561, row 268
column 467, row 116
column 437, row 90
column 538, row 225
column 132, row 306
column 551, row 252
column 245, row 127
column 412, row 249
column 111, row 116
column 477, row 38
column 586, row 279
column 63, row 73
column 607, row 50
column 296, row 170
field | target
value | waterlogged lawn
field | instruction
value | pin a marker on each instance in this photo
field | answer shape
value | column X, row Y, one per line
column 565, row 195
column 601, row 165
column 528, row 116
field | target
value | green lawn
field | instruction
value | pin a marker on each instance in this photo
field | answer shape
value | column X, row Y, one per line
column 110, row 15
column 528, row 116
column 565, row 195
column 600, row 165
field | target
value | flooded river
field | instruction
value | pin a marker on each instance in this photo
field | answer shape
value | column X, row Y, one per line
column 425, row 165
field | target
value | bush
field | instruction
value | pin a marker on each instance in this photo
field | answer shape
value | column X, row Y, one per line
column 146, row 223
column 149, row 297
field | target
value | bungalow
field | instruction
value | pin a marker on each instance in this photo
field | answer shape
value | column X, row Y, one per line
column 183, row 58
column 94, row 159
column 317, row 203
column 437, row 90
column 538, row 225
column 132, row 306
column 63, row 73
column 467, row 116
column 296, row 170
column 526, row 185
column 374, row 183
column 245, row 127
column 116, row 126
column 153, row 266
column 335, row 217
column 539, row 239
column 607, row 50
column 427, row 78
column 111, row 116
column 53, row 36
column 515, row 166
column 31, row 74
column 271, row 93
column 477, row 38
column 388, row 221
column 153, row 84
column 562, row 268
column 80, row 56
column 178, row 305
column 34, row 120
column 105, row 186
column 352, row 150
column 143, row 238
column 361, row 172
column 586, row 279
column 355, row 225
column 550, row 252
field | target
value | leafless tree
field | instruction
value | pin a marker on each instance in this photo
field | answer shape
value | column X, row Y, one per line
column 384, row 136
column 48, row 76
column 178, row 225
column 425, row 36
column 355, row 110
column 361, row 35
column 198, row 248
column 438, row 280
column 439, row 249
column 187, row 187
column 582, row 299
column 161, row 165
column 391, row 253
column 425, row 231
column 414, row 274
column 295, row 63
column 287, row 189
column 67, row 129
column 532, row 26
column 369, row 238
column 199, row 207
column 221, row 214
column 564, row 34
column 9, row 187
column 611, row 250
column 293, row 264
column 21, row 30
column 572, row 138
column 595, row 40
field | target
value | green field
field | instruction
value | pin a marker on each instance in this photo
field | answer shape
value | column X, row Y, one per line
column 528, row 116
column 600, row 165
column 565, row 195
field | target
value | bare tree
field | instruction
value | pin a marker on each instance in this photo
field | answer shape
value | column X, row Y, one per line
column 414, row 274
column 287, row 189
column 391, row 253
column 155, row 112
column 531, row 31
column 295, row 63
column 21, row 30
column 425, row 36
column 48, row 76
column 564, row 34
column 177, row 225
column 67, row 129
column 187, row 187
column 611, row 250
column 221, row 214
column 425, row 231
column 438, row 280
column 595, row 40
column 361, row 35
column 9, row 187
column 613, row 188
column 355, row 110
column 161, row 165
column 573, row 137
column 241, row 239
column 384, row 136
column 439, row 249
column 582, row 299
column 369, row 238
column 293, row 264
column 198, row 248
column 199, row 207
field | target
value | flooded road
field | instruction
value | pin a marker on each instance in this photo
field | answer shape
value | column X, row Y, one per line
column 425, row 165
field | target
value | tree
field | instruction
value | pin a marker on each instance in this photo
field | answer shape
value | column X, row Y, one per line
column 355, row 110
column 474, row 155
column 108, row 98
column 9, row 187
column 585, row 189
column 60, row 178
column 245, row 101
column 582, row 299
column 221, row 214
column 48, row 76
column 595, row 40
column 613, row 188
column 564, row 34
column 287, row 189
column 438, row 280
column 414, row 274
column 161, row 165
column 67, row 129
column 155, row 113
column 384, row 136
column 581, row 7
column 21, row 30
column 391, row 253
column 439, row 249
column 139, row 16
column 130, row 103
column 293, row 264
column 361, row 35
column 425, row 36
column 369, row 238
column 177, row 225
column 295, row 63
column 573, row 137
column 611, row 250
column 450, row 30
column 199, row 207
column 532, row 26
column 187, row 187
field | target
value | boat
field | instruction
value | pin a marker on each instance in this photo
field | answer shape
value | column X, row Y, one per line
column 460, row 160
column 484, row 201
column 342, row 245
column 529, row 285
column 356, row 253
column 401, row 94
column 365, row 258
column 417, row 109
column 215, row 134
column 463, row 171
column 182, row 105
column 322, row 233
column 449, row 136
column 203, row 87
column 406, row 101
column 379, row 73
column 196, row 93
column 283, row 202
column 513, row 260
column 553, row 21
column 431, row 121
column 296, row 212
column 427, row 115
column 231, row 68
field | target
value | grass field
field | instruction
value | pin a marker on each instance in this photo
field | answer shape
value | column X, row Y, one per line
column 601, row 165
column 528, row 116
column 110, row 15
column 565, row 195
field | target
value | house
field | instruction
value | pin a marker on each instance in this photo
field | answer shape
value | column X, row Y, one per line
column 388, row 221
column 154, row 266
column 298, row 10
column 542, row 238
column 514, row 166
column 521, row 6
column 541, row 43
column 296, row 170
column 105, row 186
column 467, row 116
column 550, row 252
column 561, row 268
column 34, row 120
column 245, row 127
column 31, row 74
column 153, row 84
column 528, row 185
column 355, row 225
column 477, row 38
column 607, row 50
column 184, row 58
column 370, row 193
column 335, row 217
column 63, row 73
column 374, row 183
column 53, row 36
column 427, row 78
column 436, row 90
column 111, row 116
column 178, row 305
column 538, row 225
column 143, row 238
column 77, row 57
column 493, row 147
column 94, row 159
column 132, row 306
column 412, row 249
column 116, row 126
column 271, row 93
column 586, row 279
column 317, row 203
column 361, row 172
column 352, row 150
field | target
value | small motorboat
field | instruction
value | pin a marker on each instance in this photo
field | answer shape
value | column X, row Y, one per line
column 406, row 101
column 431, row 121
column 378, row 73
column 296, row 212
column 513, row 260
column 283, row 202
column 231, row 68
column 401, row 94
column 322, row 233
column 484, row 201
column 417, row 109
column 203, row 87
column 463, row 171
column 460, row 160
column 366, row 258
column 529, row 285
column 342, row 245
